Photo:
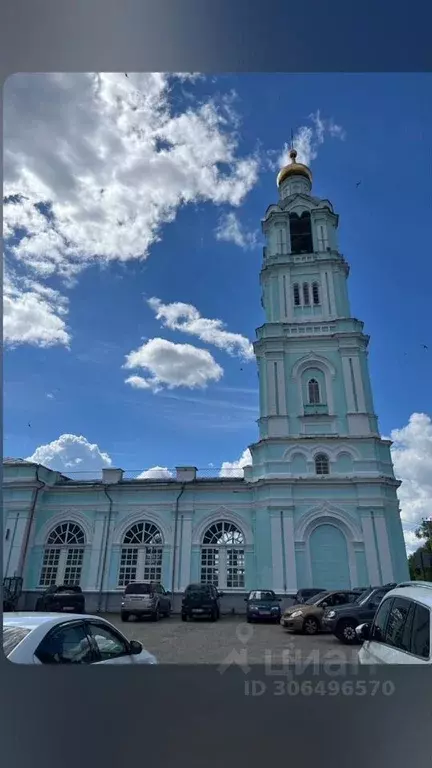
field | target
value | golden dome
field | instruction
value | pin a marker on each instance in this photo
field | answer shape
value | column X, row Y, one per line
column 293, row 169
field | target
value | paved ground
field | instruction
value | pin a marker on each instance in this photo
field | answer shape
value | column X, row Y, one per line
column 199, row 642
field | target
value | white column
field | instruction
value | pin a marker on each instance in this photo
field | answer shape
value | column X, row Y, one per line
column 283, row 296
column 277, row 554
column 290, row 560
column 281, row 388
column 358, row 384
column 271, row 392
column 370, row 549
column 348, row 384
column 185, row 555
column 331, row 293
column 324, row 295
column 383, row 549
column 93, row 580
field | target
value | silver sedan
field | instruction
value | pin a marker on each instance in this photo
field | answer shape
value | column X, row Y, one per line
column 53, row 638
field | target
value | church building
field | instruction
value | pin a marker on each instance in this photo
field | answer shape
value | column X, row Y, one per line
column 316, row 507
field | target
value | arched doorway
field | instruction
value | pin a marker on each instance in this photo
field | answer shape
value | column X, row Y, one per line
column 329, row 558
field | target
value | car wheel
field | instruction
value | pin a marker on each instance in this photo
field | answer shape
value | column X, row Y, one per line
column 310, row 626
column 346, row 633
column 124, row 616
column 213, row 616
column 184, row 617
column 156, row 615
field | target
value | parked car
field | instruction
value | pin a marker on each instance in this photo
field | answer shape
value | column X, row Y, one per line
column 51, row 638
column 401, row 631
column 307, row 617
column 145, row 598
column 262, row 604
column 64, row 597
column 342, row 620
column 201, row 600
column 304, row 594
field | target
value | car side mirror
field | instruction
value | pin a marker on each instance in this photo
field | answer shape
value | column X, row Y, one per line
column 135, row 647
column 362, row 632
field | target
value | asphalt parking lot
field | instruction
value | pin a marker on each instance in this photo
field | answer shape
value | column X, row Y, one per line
column 203, row 642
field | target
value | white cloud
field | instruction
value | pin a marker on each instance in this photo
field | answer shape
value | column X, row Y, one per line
column 308, row 138
column 155, row 473
column 185, row 317
column 71, row 453
column 33, row 314
column 235, row 468
column 96, row 164
column 231, row 230
column 172, row 365
column 412, row 459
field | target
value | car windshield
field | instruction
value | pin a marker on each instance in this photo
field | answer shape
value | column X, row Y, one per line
column 363, row 597
column 139, row 589
column 203, row 588
column 315, row 598
column 12, row 636
column 260, row 595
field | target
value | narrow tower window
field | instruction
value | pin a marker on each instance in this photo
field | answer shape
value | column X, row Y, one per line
column 322, row 464
column 315, row 293
column 306, row 298
column 301, row 233
column 296, row 291
column 313, row 392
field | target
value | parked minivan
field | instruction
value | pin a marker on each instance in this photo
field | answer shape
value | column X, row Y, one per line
column 401, row 632
column 145, row 598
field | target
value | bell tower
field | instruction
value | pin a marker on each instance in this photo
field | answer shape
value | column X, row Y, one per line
column 323, row 476
column 311, row 353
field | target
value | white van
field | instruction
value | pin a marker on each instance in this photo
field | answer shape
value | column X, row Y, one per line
column 401, row 630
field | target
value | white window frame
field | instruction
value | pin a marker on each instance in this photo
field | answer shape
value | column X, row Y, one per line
column 64, row 550
column 223, row 559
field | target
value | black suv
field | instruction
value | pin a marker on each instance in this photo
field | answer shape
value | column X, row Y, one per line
column 62, row 598
column 201, row 600
column 343, row 619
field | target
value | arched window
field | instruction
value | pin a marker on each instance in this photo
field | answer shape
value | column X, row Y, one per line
column 301, row 233
column 223, row 556
column 296, row 292
column 306, row 298
column 315, row 293
column 63, row 556
column 322, row 464
column 141, row 554
column 313, row 392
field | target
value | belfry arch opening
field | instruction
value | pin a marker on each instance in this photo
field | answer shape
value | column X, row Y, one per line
column 301, row 233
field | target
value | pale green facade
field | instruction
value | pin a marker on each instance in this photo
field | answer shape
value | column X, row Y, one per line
column 318, row 505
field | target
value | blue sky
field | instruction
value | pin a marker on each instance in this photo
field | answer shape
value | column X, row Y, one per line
column 386, row 121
